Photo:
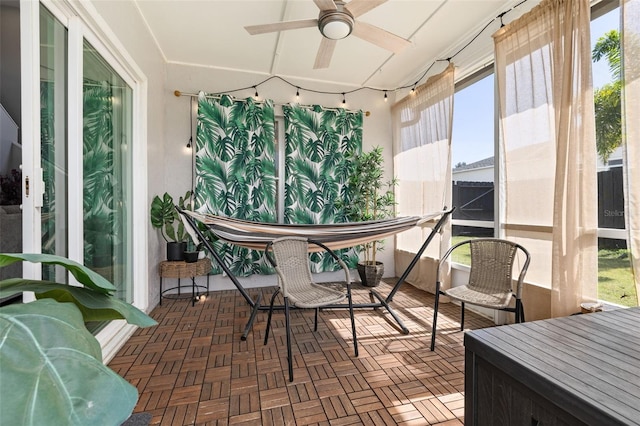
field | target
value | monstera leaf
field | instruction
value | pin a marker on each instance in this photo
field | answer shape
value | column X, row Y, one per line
column 52, row 370
column 84, row 275
column 93, row 305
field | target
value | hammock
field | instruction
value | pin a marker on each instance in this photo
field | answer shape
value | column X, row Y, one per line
column 256, row 235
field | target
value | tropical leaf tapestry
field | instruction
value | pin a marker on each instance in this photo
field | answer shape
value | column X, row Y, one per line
column 100, row 186
column 235, row 170
column 319, row 146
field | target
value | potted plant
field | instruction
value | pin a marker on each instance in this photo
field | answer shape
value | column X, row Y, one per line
column 165, row 217
column 371, row 198
column 192, row 253
column 50, row 364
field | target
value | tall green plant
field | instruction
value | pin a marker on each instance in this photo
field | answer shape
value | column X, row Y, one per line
column 371, row 197
column 51, row 369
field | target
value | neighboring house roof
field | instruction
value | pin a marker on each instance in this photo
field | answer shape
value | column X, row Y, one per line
column 614, row 160
column 487, row 162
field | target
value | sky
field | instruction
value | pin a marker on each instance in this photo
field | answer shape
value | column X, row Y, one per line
column 473, row 117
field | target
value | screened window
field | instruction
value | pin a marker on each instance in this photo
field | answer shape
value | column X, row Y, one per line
column 472, row 159
column 615, row 279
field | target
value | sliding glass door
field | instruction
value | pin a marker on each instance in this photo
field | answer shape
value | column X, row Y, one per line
column 53, row 140
column 94, row 227
column 107, row 183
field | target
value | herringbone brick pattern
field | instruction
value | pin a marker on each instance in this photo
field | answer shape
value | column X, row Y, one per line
column 193, row 368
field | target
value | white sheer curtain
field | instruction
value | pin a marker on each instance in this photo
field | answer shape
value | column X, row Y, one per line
column 548, row 155
column 631, row 133
column 422, row 163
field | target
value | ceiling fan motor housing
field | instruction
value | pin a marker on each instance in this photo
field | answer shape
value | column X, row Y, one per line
column 336, row 24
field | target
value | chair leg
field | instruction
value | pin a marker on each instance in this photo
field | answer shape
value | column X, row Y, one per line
column 462, row 316
column 519, row 311
column 315, row 328
column 353, row 323
column 266, row 333
column 435, row 316
column 288, row 328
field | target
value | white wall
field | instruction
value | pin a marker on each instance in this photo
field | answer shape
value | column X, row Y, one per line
column 10, row 151
column 481, row 174
column 191, row 79
column 10, row 58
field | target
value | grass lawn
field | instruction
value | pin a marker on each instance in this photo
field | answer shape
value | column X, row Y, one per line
column 463, row 254
column 615, row 281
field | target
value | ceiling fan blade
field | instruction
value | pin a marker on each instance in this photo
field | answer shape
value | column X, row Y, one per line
column 379, row 37
column 360, row 7
column 325, row 4
column 281, row 26
column 325, row 52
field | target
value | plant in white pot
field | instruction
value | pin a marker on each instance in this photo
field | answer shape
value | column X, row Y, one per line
column 51, row 369
column 371, row 198
column 165, row 217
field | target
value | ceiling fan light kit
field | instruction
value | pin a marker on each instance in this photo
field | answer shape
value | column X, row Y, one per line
column 338, row 20
column 335, row 24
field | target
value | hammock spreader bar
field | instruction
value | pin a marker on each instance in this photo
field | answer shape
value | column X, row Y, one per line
column 256, row 235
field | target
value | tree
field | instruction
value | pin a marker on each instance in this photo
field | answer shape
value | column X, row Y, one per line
column 608, row 111
column 608, row 46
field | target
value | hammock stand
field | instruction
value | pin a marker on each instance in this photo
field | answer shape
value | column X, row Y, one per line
column 335, row 236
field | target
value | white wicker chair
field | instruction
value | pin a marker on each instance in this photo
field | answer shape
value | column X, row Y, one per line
column 490, row 279
column 298, row 287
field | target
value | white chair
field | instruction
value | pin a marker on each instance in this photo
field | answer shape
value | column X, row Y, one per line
column 491, row 282
column 291, row 262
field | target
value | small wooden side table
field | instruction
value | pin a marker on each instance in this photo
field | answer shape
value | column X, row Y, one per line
column 182, row 269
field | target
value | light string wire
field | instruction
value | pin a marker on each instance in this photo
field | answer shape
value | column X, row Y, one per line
column 203, row 95
column 385, row 91
column 191, row 146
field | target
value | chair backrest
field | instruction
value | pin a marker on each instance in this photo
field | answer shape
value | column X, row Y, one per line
column 492, row 262
column 292, row 264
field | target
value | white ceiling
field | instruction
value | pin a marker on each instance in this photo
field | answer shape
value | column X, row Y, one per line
column 211, row 33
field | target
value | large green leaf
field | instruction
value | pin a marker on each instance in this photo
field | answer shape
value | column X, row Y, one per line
column 94, row 306
column 84, row 275
column 162, row 210
column 51, row 370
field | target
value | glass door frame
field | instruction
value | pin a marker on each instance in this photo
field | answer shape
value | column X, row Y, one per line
column 82, row 22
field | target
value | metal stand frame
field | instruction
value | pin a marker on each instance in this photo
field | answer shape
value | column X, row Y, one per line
column 195, row 290
column 383, row 302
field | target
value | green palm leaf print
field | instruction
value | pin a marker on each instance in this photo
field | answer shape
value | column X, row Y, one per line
column 235, row 170
column 318, row 144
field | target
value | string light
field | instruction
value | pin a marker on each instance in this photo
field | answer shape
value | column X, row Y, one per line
column 191, row 119
column 202, row 95
column 500, row 16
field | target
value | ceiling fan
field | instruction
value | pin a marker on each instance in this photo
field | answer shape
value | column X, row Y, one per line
column 336, row 21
